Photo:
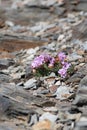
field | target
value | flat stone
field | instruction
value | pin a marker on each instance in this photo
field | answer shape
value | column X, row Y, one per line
column 11, row 125
column 49, row 117
column 83, row 118
column 30, row 83
column 74, row 57
column 40, row 3
column 59, row 10
column 82, row 6
column 62, row 92
column 4, row 63
column 76, row 78
column 85, row 46
column 80, row 31
column 81, row 125
column 81, row 96
column 4, row 105
column 4, row 77
column 42, row 125
column 7, row 42
column 83, row 82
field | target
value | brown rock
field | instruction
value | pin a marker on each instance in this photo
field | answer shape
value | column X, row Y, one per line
column 2, row 24
column 42, row 125
column 53, row 88
column 7, row 42
column 6, row 55
column 80, row 52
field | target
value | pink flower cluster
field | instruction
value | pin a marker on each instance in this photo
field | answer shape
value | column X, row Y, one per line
column 65, row 65
column 39, row 61
column 42, row 59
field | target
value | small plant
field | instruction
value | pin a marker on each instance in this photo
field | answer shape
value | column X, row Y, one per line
column 44, row 64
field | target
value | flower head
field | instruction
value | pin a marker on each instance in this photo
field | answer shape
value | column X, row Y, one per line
column 51, row 61
column 61, row 56
column 62, row 72
column 40, row 60
column 66, row 65
column 37, row 62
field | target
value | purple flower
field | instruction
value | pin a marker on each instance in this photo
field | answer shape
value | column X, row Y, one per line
column 66, row 65
column 37, row 62
column 46, row 57
column 51, row 61
column 61, row 56
column 62, row 72
column 40, row 60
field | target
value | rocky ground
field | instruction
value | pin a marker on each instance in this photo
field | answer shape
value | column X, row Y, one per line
column 27, row 29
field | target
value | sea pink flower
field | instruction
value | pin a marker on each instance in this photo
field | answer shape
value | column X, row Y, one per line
column 40, row 60
column 37, row 62
column 62, row 72
column 61, row 56
column 66, row 65
column 51, row 61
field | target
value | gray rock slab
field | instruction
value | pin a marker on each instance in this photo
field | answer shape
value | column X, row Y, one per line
column 82, row 6
column 81, row 95
column 40, row 3
column 30, row 83
column 4, row 105
column 76, row 78
column 4, row 63
column 83, row 82
column 4, row 77
column 81, row 125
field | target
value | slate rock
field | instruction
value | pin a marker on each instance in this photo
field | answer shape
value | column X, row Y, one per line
column 83, row 82
column 80, row 30
column 4, row 77
column 2, row 127
column 33, row 119
column 62, row 92
column 76, row 78
column 11, row 126
column 4, row 105
column 30, row 83
column 80, row 100
column 40, row 3
column 4, row 63
column 85, row 46
column 82, row 6
column 28, row 71
column 74, row 57
column 59, row 10
column 81, row 125
column 81, row 97
column 48, row 116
